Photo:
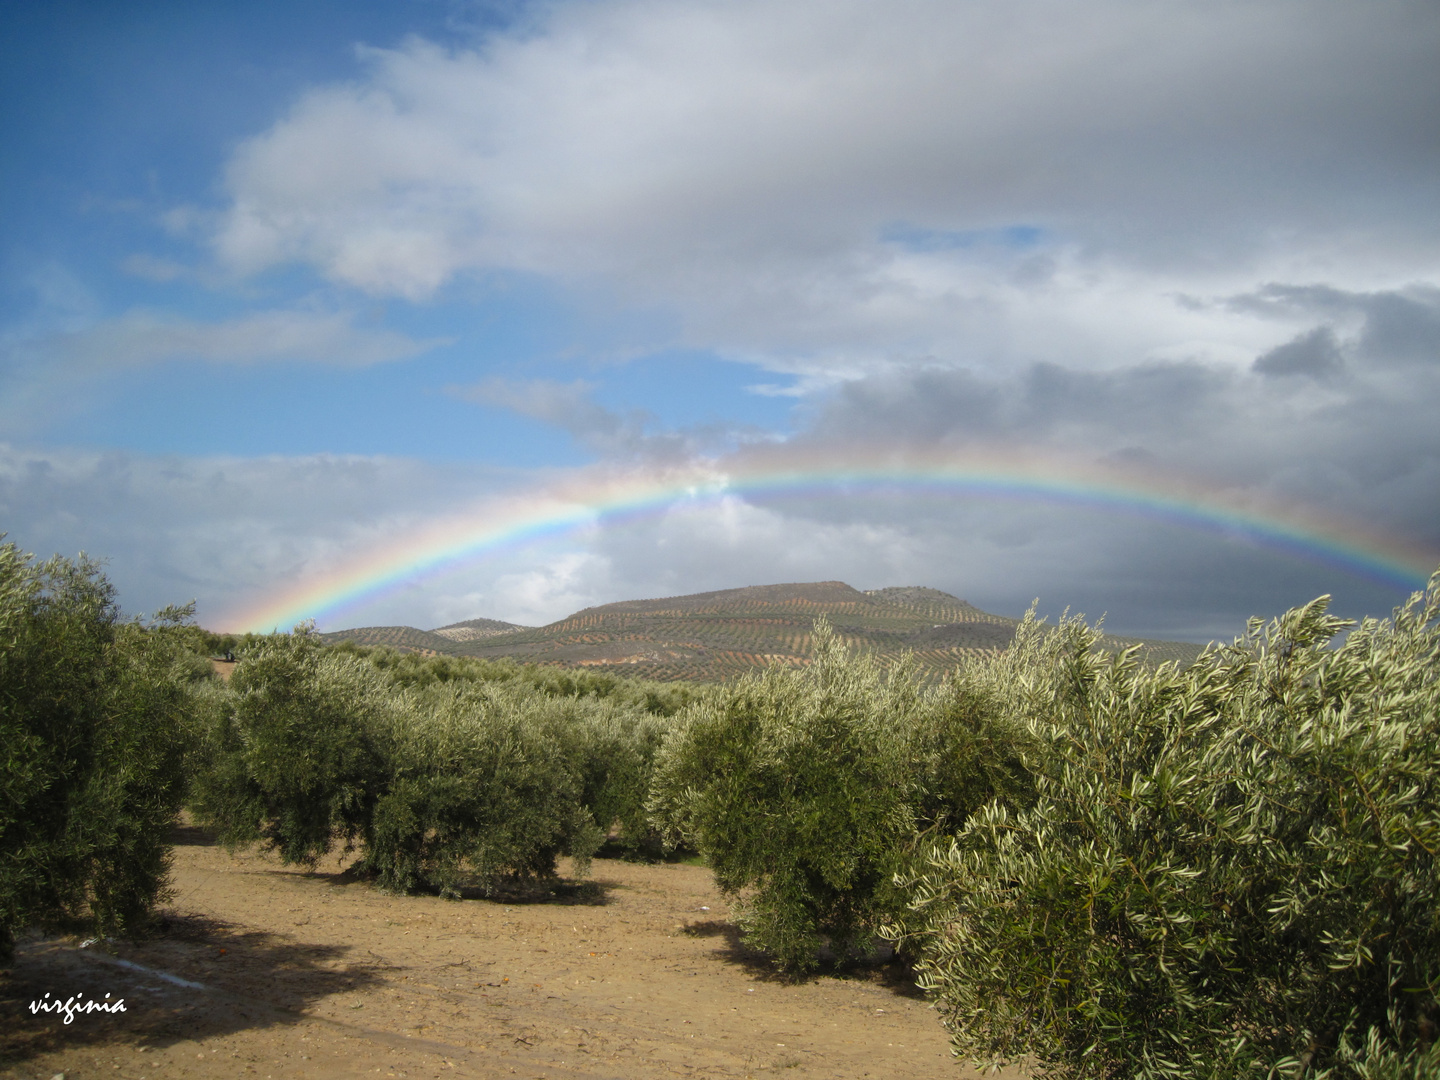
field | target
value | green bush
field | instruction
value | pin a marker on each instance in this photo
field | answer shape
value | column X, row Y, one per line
column 444, row 772
column 481, row 789
column 804, row 791
column 93, row 723
column 408, row 669
column 294, row 753
column 613, row 753
column 1226, row 871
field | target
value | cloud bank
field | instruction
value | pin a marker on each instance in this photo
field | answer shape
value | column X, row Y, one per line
column 825, row 185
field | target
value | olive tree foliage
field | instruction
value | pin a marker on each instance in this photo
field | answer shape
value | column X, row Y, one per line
column 614, row 753
column 93, row 726
column 444, row 776
column 413, row 670
column 484, row 784
column 611, row 731
column 1225, row 871
column 293, row 751
column 805, row 791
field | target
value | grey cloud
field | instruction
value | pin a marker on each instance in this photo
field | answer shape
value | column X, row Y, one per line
column 1395, row 326
column 220, row 529
column 1403, row 328
column 936, row 403
column 1044, row 402
column 1148, row 578
column 227, row 530
column 1367, row 451
column 569, row 406
column 1119, row 402
column 1315, row 354
column 1366, row 448
column 1277, row 299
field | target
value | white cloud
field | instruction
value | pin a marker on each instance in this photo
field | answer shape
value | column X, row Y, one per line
column 153, row 268
column 534, row 596
column 635, row 435
column 765, row 169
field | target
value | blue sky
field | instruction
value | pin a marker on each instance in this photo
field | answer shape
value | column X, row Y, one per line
column 118, row 114
column 358, row 266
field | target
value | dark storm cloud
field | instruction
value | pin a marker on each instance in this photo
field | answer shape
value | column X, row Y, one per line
column 1403, row 328
column 1041, row 404
column 1364, row 448
column 1366, row 445
column 1315, row 353
column 1395, row 327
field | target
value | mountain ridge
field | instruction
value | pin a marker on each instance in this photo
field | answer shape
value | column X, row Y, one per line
column 719, row 635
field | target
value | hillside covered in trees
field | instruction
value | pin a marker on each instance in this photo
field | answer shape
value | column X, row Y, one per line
column 716, row 636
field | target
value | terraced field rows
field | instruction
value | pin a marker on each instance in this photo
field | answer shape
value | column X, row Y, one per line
column 405, row 638
column 718, row 636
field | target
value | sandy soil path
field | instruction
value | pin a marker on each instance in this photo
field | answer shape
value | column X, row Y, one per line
column 638, row 975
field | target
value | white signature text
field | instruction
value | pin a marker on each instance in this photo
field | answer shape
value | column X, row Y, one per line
column 76, row 1004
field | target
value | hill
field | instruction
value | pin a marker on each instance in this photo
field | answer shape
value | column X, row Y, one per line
column 476, row 629
column 715, row 636
column 404, row 638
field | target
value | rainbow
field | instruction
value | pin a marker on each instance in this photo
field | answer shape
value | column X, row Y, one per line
column 599, row 498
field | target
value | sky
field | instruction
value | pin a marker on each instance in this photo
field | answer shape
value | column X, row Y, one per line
column 424, row 310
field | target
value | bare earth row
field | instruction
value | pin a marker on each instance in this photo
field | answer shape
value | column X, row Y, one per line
column 637, row 973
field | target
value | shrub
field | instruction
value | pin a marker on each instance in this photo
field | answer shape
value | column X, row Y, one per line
column 610, row 735
column 294, row 752
column 407, row 669
column 964, row 748
column 613, row 753
column 1227, row 871
column 92, row 726
column 444, row 772
column 804, row 791
column 481, row 789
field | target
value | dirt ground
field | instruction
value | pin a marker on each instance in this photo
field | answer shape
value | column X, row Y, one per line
column 265, row 972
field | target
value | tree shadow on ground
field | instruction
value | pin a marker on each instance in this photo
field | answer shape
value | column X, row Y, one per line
column 194, row 978
column 559, row 891
column 186, row 835
column 880, row 967
column 350, row 871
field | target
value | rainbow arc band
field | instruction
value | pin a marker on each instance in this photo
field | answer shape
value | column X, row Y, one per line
column 595, row 499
